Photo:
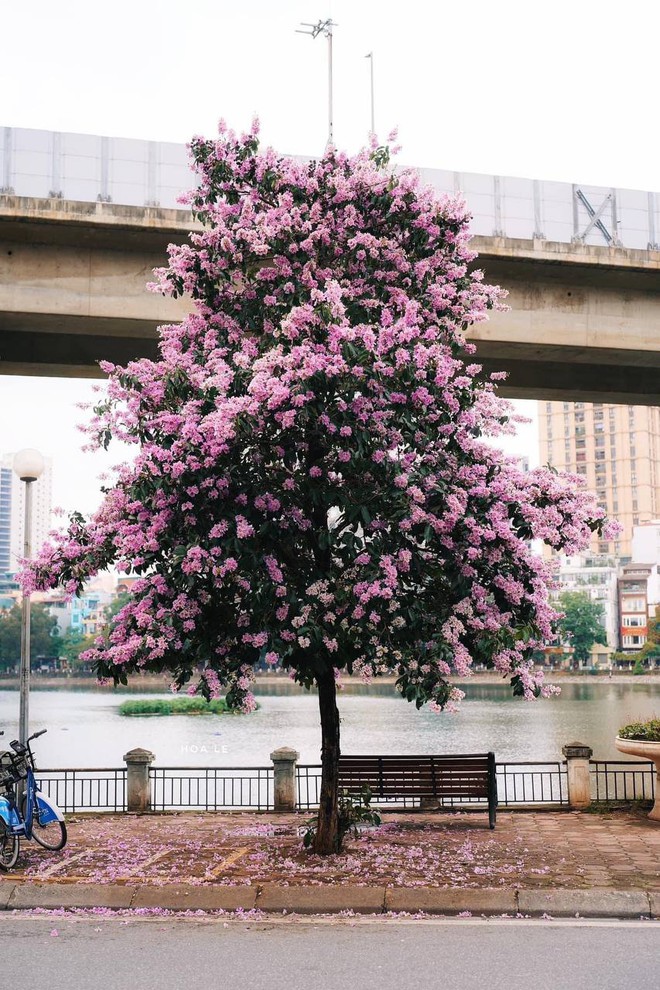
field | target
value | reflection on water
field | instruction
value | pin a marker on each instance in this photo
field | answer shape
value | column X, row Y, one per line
column 85, row 729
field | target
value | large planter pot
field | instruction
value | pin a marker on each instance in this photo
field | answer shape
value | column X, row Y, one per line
column 645, row 751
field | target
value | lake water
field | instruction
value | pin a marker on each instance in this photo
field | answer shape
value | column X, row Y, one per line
column 85, row 729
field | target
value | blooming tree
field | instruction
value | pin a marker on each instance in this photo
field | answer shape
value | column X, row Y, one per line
column 311, row 483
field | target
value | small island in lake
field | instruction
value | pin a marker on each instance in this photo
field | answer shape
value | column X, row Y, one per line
column 174, row 706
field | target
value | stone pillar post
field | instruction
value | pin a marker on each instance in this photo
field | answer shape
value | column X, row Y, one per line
column 577, row 764
column 284, row 765
column 138, row 785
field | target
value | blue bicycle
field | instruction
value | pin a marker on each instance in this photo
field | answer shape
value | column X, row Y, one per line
column 37, row 818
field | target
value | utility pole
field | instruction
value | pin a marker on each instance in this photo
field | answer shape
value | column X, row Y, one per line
column 370, row 56
column 314, row 30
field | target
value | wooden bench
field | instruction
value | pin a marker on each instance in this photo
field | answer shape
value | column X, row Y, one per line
column 440, row 777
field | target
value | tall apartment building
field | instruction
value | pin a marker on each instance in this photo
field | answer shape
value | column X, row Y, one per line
column 6, row 488
column 616, row 449
column 12, row 512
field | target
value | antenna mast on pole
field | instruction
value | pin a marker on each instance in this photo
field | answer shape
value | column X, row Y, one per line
column 314, row 30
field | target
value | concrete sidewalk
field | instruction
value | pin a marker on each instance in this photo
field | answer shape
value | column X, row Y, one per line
column 534, row 863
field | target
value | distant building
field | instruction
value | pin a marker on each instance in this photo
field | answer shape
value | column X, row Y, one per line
column 637, row 585
column 597, row 577
column 126, row 582
column 646, row 541
column 85, row 614
column 616, row 449
column 12, row 512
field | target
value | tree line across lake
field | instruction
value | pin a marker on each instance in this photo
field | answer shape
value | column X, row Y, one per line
column 580, row 627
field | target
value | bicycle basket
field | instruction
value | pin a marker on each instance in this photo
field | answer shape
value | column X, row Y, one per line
column 6, row 770
column 12, row 767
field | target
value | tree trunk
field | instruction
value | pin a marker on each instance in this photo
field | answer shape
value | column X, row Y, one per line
column 326, row 840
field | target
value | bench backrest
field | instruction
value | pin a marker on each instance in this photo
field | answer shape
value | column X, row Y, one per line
column 424, row 776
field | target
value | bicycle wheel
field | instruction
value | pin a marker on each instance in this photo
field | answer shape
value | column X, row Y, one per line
column 9, row 846
column 51, row 836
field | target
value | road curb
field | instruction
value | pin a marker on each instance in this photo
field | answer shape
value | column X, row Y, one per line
column 323, row 899
column 327, row 899
column 438, row 900
column 585, row 903
column 6, row 890
column 88, row 895
column 185, row 897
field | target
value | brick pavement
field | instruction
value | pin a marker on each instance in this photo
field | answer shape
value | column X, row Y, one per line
column 528, row 850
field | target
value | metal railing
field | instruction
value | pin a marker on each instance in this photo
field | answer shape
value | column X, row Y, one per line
column 94, row 789
column 518, row 784
column 531, row 783
column 622, row 780
column 212, row 788
column 100, row 169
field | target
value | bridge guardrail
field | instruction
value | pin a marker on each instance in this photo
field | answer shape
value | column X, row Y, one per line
column 130, row 172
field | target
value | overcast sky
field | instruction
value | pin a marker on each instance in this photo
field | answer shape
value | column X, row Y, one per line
column 564, row 91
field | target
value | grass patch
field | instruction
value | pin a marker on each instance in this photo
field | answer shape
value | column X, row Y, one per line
column 174, row 706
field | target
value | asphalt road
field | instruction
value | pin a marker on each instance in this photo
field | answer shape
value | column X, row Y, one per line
column 86, row 952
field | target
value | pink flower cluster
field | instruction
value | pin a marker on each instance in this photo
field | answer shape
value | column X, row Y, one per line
column 311, row 486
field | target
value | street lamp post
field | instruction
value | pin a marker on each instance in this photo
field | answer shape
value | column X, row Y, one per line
column 314, row 30
column 28, row 465
column 370, row 56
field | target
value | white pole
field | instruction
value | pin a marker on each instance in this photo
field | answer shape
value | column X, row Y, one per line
column 28, row 465
column 314, row 30
column 24, row 678
column 330, row 114
column 370, row 56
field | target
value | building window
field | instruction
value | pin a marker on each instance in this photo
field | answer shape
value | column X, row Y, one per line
column 633, row 605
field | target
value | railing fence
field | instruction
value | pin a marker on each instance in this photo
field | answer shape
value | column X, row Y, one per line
column 622, row 780
column 94, row 789
column 99, row 169
column 212, row 788
column 519, row 785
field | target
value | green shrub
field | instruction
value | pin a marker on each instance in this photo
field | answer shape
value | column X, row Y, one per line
column 638, row 667
column 353, row 810
column 648, row 731
column 173, row 706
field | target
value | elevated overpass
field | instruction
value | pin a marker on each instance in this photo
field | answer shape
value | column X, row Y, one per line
column 84, row 220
